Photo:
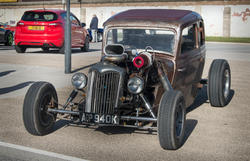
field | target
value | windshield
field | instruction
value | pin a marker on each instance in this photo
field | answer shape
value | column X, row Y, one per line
column 39, row 16
column 158, row 39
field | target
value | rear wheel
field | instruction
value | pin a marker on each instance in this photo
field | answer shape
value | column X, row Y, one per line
column 9, row 40
column 20, row 49
column 219, row 83
column 99, row 37
column 61, row 50
column 45, row 49
column 85, row 48
column 171, row 120
column 37, row 120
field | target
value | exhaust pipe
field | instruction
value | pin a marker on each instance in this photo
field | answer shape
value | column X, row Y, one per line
column 164, row 79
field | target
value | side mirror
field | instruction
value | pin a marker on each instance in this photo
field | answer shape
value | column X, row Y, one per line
column 83, row 24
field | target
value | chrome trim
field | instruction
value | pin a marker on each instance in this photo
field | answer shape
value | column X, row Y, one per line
column 63, row 111
column 148, row 106
column 138, row 118
column 95, row 100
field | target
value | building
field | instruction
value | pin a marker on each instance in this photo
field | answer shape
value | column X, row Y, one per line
column 228, row 18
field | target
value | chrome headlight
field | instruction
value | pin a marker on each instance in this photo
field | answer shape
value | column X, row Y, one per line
column 135, row 85
column 79, row 80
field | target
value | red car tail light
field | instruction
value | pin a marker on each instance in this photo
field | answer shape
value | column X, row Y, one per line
column 54, row 26
column 20, row 24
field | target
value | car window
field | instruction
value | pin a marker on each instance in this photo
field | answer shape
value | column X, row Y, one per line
column 74, row 20
column 188, row 39
column 158, row 39
column 39, row 16
column 201, row 34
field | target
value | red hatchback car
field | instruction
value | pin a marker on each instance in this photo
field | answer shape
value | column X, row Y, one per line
column 45, row 29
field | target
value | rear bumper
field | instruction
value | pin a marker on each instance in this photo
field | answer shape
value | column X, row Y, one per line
column 39, row 44
column 53, row 41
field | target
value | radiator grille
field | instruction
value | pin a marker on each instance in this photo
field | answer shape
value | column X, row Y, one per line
column 104, row 92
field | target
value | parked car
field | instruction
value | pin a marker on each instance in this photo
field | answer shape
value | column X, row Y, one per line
column 6, row 36
column 99, row 34
column 45, row 29
column 150, row 72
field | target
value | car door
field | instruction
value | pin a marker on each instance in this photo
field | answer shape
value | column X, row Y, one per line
column 187, row 64
column 77, row 32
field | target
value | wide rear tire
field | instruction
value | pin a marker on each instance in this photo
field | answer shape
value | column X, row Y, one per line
column 171, row 120
column 36, row 118
column 219, row 83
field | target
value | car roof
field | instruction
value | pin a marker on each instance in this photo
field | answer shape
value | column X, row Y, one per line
column 47, row 10
column 153, row 18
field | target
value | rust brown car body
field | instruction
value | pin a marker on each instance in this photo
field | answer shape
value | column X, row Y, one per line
column 184, row 70
column 150, row 72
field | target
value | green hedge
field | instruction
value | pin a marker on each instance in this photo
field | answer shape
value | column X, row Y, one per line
column 228, row 39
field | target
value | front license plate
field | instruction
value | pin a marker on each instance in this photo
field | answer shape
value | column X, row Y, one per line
column 36, row 27
column 99, row 119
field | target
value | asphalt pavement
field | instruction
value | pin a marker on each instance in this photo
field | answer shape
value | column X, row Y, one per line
column 212, row 133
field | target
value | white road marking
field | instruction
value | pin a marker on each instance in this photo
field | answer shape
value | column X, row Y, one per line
column 41, row 152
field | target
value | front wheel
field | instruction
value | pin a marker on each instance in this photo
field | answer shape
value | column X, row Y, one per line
column 219, row 82
column 37, row 120
column 171, row 120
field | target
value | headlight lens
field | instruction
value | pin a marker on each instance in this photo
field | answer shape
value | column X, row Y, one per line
column 135, row 85
column 79, row 80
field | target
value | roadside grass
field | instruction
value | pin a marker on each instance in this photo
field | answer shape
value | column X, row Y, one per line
column 228, row 39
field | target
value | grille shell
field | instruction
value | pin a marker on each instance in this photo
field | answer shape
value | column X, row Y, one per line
column 104, row 89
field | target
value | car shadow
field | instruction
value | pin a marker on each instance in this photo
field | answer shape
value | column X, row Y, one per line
column 202, row 98
column 60, row 124
column 113, row 130
column 55, row 51
column 6, row 72
column 190, row 126
column 81, row 68
column 14, row 88
column 4, row 47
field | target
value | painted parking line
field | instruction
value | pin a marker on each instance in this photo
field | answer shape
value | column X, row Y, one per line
column 26, row 153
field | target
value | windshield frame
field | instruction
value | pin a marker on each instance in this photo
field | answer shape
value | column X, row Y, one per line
column 107, row 29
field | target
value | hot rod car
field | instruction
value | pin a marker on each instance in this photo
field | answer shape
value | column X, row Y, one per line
column 149, row 73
